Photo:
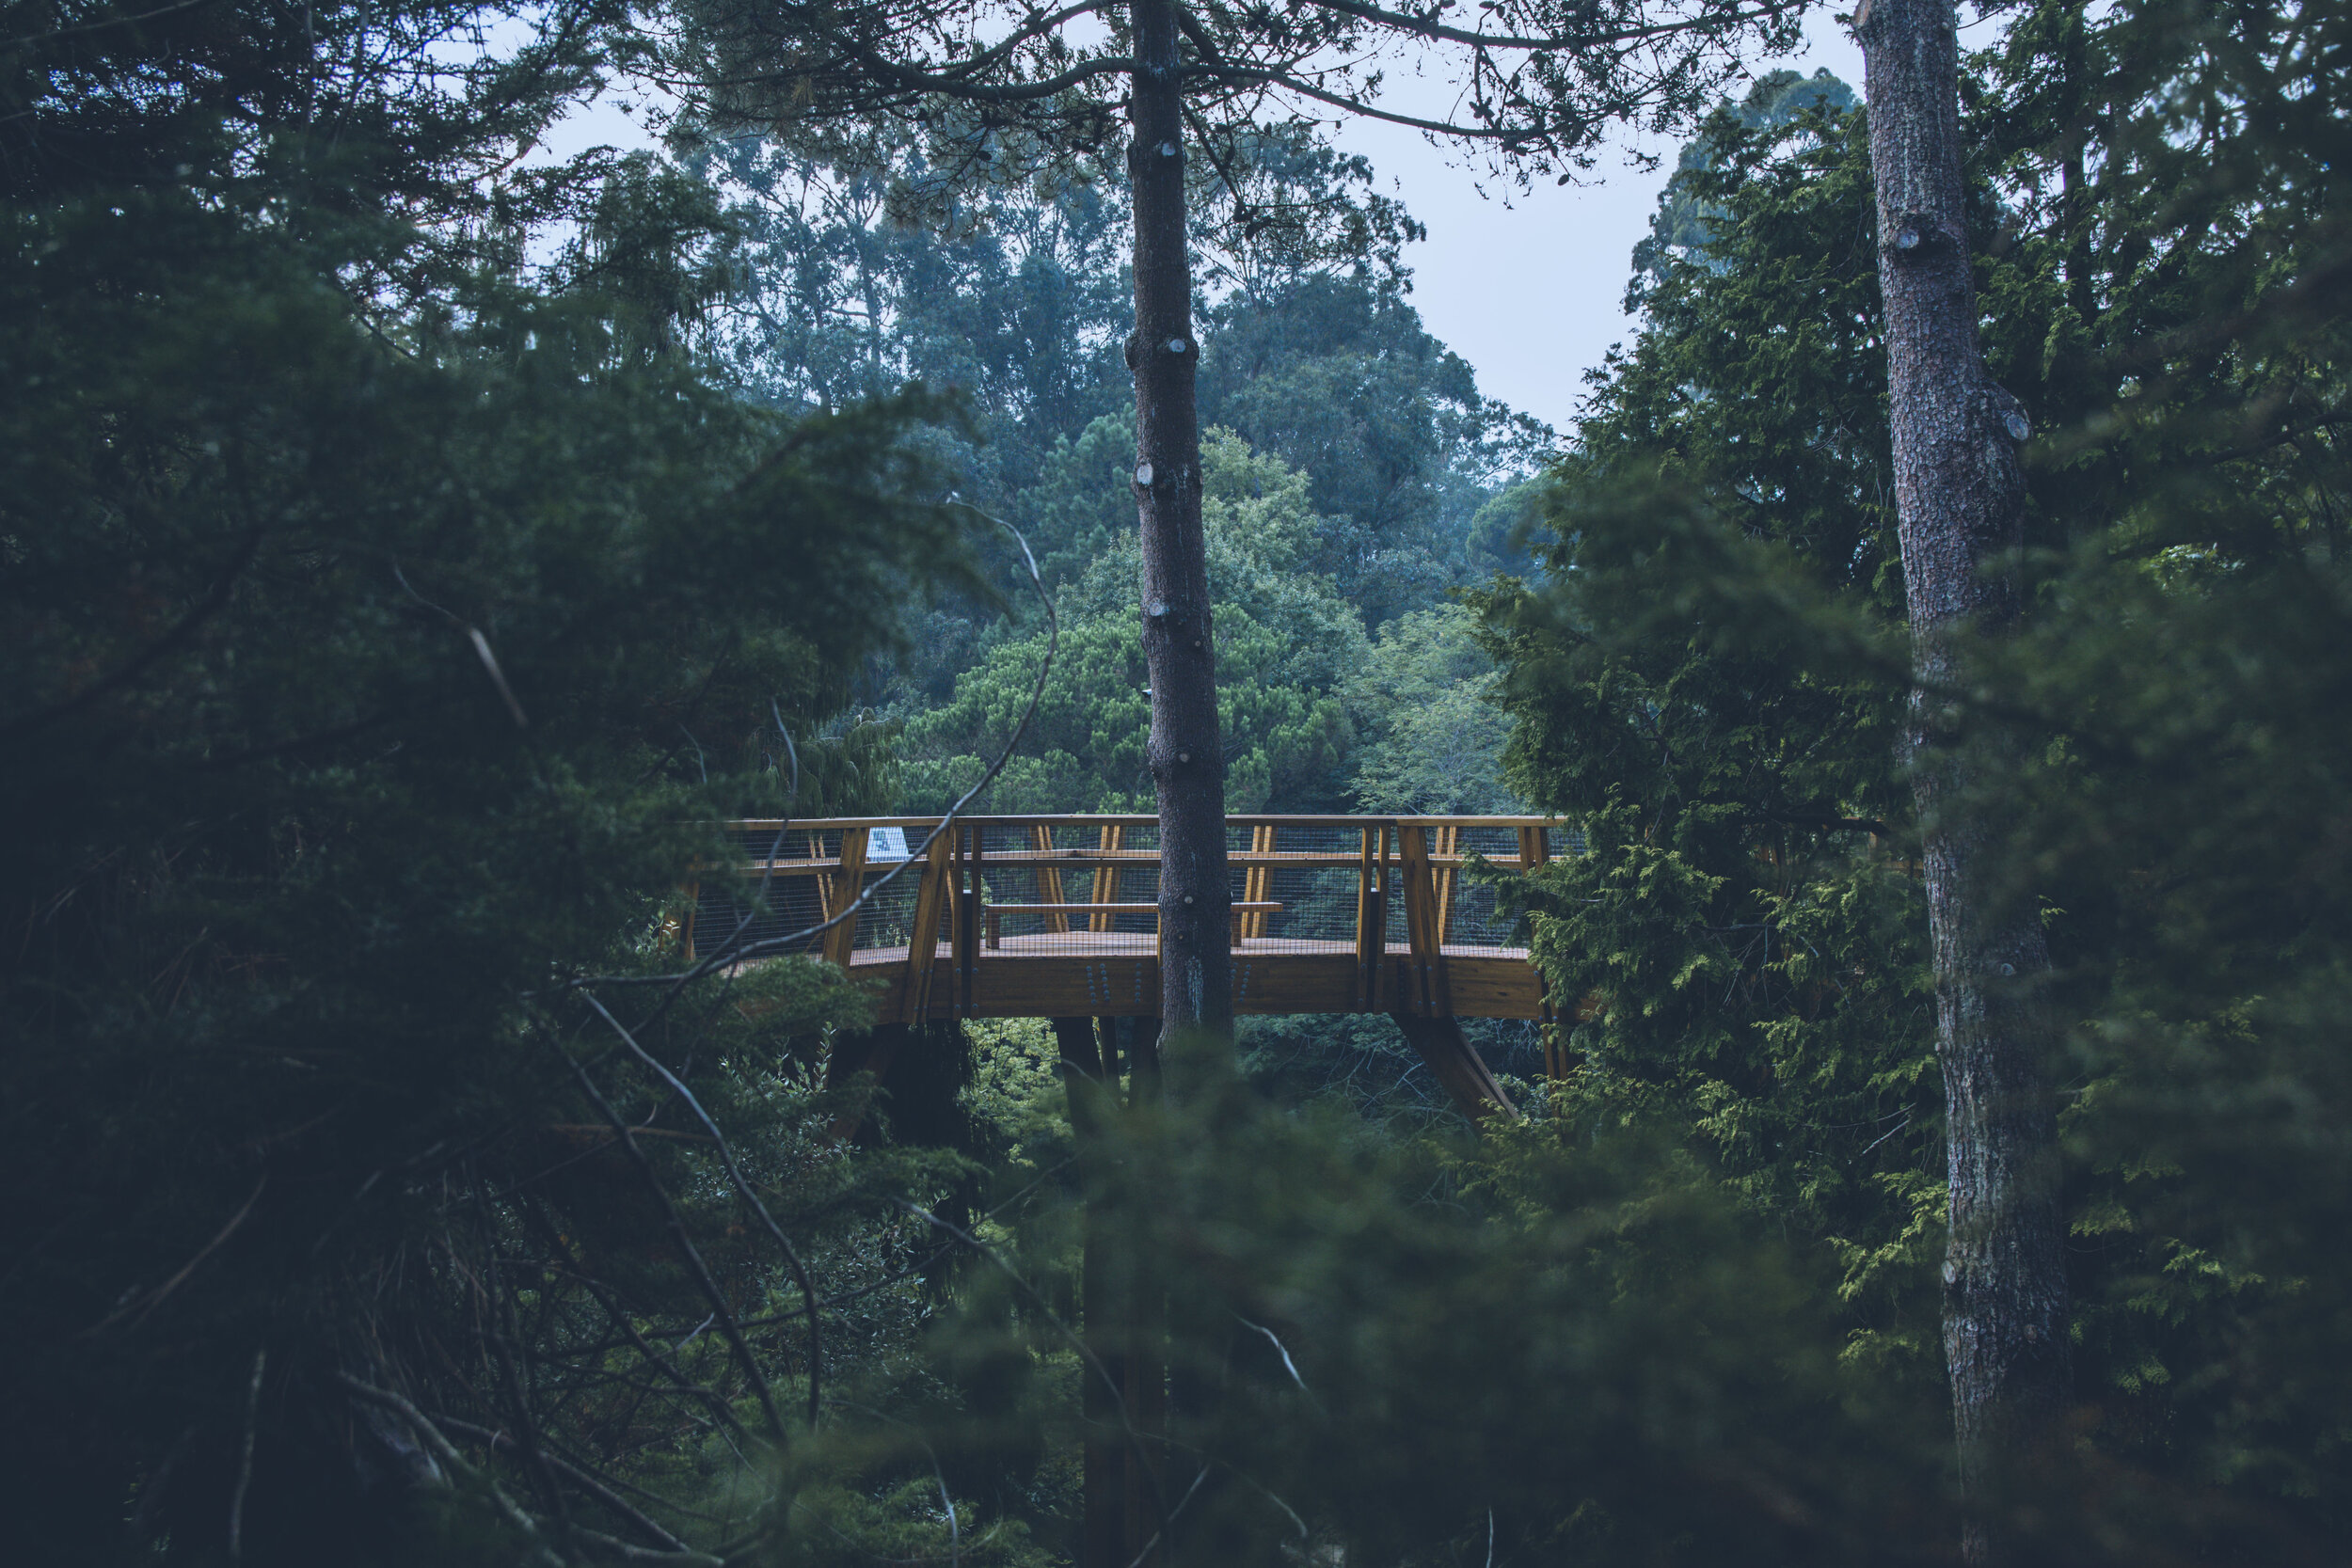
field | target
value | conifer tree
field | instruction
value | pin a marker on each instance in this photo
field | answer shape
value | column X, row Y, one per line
column 1715, row 676
column 379, row 613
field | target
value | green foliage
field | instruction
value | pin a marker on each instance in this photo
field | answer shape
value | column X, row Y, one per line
column 378, row 622
column 1286, row 643
column 387, row 588
column 1708, row 678
column 1683, row 228
column 853, row 274
column 1010, row 295
column 1424, row 696
column 1420, row 1347
column 1336, row 375
column 1698, row 686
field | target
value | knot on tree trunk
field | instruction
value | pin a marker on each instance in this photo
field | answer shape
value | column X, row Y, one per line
column 1916, row 237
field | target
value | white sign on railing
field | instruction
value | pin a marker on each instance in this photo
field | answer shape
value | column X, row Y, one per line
column 885, row 844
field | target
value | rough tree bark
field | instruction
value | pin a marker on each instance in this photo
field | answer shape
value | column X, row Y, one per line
column 1959, row 503
column 1187, row 759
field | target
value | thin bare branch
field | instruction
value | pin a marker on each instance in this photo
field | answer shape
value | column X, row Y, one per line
column 743, row 1189
column 245, row 1457
column 186, row 1269
column 583, row 1479
column 447, row 1452
column 732, row 953
column 676, row 1224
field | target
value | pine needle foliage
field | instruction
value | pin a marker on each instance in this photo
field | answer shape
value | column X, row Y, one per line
column 1708, row 673
column 382, row 612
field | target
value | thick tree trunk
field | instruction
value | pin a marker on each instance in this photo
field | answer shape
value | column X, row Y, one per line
column 1188, row 758
column 1960, row 504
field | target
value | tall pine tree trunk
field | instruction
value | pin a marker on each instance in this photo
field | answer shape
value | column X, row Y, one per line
column 1960, row 504
column 1186, row 757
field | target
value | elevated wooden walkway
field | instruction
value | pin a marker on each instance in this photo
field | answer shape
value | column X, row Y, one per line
column 1052, row 916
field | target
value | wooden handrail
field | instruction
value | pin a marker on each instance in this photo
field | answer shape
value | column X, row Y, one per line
column 1082, row 860
column 1131, row 819
column 995, row 912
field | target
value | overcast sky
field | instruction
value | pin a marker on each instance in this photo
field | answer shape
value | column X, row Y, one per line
column 1528, row 287
column 1524, row 286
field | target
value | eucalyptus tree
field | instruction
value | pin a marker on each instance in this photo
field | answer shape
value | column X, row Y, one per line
column 1134, row 89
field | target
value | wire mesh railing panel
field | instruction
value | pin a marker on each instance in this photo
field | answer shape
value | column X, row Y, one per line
column 1297, row 886
column 738, row 911
column 790, row 877
column 887, row 918
column 1476, row 910
column 1049, row 886
column 1481, row 916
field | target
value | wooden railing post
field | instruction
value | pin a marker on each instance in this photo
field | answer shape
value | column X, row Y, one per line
column 1049, row 889
column 1258, row 880
column 970, row 848
column 1371, row 918
column 1449, row 848
column 1110, row 839
column 1534, row 848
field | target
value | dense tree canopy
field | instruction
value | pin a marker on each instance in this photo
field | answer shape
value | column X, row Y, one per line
column 410, row 544
column 1710, row 685
column 379, row 620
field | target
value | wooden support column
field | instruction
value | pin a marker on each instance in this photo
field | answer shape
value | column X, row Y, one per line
column 874, row 1052
column 1457, row 1065
column 1147, row 1413
column 1147, row 1501
column 847, row 884
column 1428, row 995
column 931, row 907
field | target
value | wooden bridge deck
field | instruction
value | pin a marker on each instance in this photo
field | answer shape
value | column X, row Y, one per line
column 1116, row 974
column 1051, row 916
